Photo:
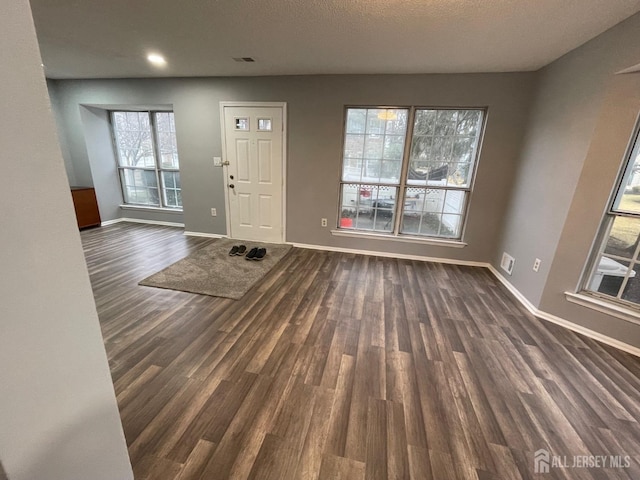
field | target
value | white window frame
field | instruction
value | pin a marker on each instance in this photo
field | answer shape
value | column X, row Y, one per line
column 403, row 184
column 601, row 240
column 157, row 168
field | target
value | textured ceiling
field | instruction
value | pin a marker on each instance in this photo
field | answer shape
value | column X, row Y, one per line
column 110, row 38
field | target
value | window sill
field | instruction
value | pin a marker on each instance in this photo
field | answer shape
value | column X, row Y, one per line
column 151, row 209
column 603, row 306
column 399, row 238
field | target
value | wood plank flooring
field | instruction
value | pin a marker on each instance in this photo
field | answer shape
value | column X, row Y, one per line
column 341, row 366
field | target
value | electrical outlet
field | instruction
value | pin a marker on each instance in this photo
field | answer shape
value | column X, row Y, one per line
column 536, row 265
column 323, row 222
column 214, row 212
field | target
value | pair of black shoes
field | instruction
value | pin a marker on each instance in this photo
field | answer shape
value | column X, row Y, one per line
column 256, row 253
column 237, row 251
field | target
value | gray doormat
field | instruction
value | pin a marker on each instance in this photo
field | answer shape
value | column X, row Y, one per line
column 211, row 271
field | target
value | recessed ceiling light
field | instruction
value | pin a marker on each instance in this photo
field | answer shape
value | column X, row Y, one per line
column 156, row 59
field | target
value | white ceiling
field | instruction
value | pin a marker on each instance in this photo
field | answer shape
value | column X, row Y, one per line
column 110, row 38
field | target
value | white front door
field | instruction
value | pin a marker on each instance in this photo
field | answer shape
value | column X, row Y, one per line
column 253, row 154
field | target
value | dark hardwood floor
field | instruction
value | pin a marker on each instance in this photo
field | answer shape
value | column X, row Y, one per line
column 341, row 366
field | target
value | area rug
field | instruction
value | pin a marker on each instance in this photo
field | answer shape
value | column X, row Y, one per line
column 211, row 271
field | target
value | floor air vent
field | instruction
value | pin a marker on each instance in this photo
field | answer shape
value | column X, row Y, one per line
column 507, row 263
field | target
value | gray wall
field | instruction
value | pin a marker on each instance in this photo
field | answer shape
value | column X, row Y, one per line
column 58, row 414
column 608, row 147
column 553, row 212
column 315, row 116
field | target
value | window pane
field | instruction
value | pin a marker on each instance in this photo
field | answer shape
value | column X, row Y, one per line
column 468, row 122
column 459, row 174
column 393, row 147
column 374, row 145
column 628, row 197
column 450, row 226
column 376, row 121
column 132, row 133
column 352, row 169
column 356, row 120
column 264, row 124
column 433, row 212
column 443, row 147
column 166, row 136
column 446, row 122
column 623, row 237
column 242, row 124
column 367, row 207
column 424, row 123
column 140, row 187
column 390, row 171
column 396, row 121
column 169, row 181
column 453, row 201
column 463, row 149
column 632, row 289
column 171, row 189
column 608, row 276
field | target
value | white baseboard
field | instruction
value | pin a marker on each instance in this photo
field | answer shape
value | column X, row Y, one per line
column 208, row 235
column 513, row 290
column 625, row 347
column 139, row 220
column 110, row 222
column 389, row 255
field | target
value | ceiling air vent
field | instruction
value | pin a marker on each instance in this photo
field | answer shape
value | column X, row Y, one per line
column 243, row 59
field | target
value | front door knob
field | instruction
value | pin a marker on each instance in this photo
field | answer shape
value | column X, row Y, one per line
column 231, row 185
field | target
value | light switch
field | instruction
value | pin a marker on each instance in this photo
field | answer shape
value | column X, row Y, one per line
column 217, row 161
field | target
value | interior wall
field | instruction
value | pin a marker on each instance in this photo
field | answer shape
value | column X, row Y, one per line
column 565, row 112
column 607, row 151
column 315, row 121
column 104, row 171
column 541, row 219
column 58, row 414
column 62, row 141
column 100, row 155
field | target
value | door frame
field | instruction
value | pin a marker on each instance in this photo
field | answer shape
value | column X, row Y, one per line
column 225, row 170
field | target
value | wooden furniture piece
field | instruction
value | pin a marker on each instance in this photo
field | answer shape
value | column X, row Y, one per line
column 86, row 205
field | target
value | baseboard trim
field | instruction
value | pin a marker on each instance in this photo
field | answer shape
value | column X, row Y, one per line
column 106, row 223
column 208, row 235
column 140, row 220
column 421, row 258
column 513, row 290
column 625, row 347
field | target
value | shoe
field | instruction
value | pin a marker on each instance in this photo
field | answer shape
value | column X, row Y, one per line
column 260, row 254
column 252, row 253
column 234, row 250
column 241, row 250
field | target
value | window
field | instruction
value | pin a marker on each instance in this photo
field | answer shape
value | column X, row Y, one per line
column 415, row 188
column 615, row 271
column 147, row 158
